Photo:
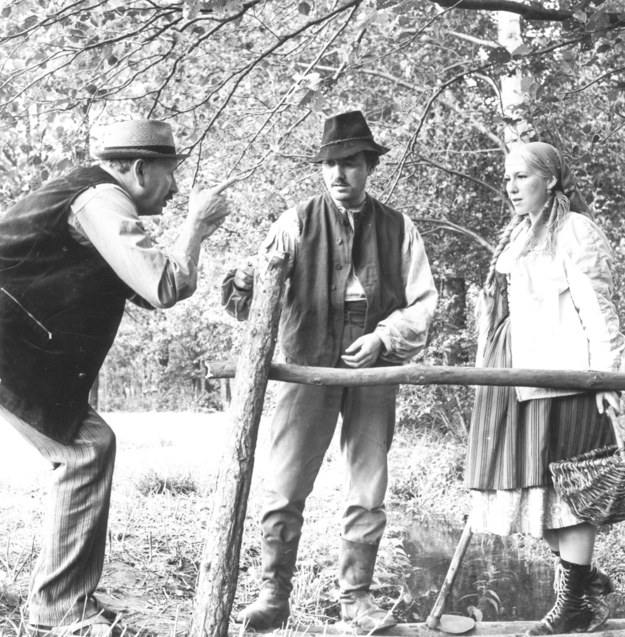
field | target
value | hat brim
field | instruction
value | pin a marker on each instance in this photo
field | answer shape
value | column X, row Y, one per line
column 341, row 150
column 137, row 153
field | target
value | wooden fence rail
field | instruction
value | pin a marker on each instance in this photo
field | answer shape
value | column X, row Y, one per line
column 432, row 375
column 217, row 577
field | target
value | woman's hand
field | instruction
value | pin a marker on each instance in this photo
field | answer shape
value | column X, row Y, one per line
column 612, row 399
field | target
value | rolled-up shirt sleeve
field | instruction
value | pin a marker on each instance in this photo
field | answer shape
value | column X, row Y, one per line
column 404, row 331
column 105, row 216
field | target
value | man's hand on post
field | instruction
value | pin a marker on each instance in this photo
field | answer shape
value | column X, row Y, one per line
column 363, row 352
column 244, row 276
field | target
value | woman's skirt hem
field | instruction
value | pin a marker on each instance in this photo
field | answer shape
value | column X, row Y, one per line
column 532, row 511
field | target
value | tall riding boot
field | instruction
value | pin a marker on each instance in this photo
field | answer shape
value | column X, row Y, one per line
column 357, row 563
column 571, row 613
column 271, row 609
column 597, row 585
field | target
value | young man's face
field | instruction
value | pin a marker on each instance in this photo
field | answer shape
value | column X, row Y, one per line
column 346, row 179
column 157, row 186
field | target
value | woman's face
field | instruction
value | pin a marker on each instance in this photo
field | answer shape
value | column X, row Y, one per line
column 527, row 189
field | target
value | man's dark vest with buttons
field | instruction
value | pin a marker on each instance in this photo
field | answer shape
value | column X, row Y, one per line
column 60, row 308
column 314, row 311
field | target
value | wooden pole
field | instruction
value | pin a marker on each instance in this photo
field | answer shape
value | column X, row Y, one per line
column 438, row 375
column 219, row 567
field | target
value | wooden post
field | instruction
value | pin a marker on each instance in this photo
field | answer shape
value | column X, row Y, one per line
column 219, row 566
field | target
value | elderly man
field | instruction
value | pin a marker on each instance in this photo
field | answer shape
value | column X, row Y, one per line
column 71, row 254
column 360, row 294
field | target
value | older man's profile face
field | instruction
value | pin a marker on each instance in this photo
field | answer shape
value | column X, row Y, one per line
column 346, row 179
column 158, row 187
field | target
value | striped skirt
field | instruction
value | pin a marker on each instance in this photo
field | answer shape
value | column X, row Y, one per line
column 511, row 444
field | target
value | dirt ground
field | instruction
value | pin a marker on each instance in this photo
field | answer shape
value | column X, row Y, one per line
column 165, row 473
column 154, row 539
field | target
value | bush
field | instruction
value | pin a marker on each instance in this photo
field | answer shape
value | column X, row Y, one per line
column 153, row 483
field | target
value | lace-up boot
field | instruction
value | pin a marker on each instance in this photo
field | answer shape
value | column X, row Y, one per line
column 572, row 612
column 598, row 584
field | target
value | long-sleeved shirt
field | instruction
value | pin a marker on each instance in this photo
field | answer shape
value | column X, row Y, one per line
column 106, row 217
column 404, row 331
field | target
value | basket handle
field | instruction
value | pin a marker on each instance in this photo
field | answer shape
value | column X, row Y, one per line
column 618, row 424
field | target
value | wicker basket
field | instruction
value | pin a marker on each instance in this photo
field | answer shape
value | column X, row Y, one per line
column 593, row 484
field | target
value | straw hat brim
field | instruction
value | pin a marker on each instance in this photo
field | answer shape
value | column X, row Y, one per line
column 342, row 149
column 135, row 153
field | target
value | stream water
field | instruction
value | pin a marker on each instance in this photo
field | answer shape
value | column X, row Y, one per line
column 497, row 575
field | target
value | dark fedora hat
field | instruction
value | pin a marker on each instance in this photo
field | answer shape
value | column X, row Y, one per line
column 137, row 138
column 344, row 135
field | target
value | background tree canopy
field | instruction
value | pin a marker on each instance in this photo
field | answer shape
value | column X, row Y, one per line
column 247, row 86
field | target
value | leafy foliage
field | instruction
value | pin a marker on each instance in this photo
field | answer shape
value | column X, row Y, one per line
column 247, row 85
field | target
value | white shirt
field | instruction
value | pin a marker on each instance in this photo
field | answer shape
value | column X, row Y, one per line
column 105, row 216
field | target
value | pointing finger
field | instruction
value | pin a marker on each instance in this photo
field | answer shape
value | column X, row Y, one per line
column 219, row 188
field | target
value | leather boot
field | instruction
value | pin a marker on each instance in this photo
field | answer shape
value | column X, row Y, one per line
column 572, row 612
column 357, row 563
column 597, row 585
column 271, row 609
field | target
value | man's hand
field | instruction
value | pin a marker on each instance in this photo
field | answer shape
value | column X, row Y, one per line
column 363, row 352
column 244, row 276
column 611, row 398
column 208, row 209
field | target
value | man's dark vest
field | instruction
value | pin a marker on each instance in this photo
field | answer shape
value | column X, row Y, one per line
column 313, row 315
column 60, row 308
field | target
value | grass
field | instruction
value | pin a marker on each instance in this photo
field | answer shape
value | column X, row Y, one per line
column 166, row 471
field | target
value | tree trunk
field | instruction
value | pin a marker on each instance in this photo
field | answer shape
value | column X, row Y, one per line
column 512, row 97
column 219, row 567
column 454, row 295
column 225, row 392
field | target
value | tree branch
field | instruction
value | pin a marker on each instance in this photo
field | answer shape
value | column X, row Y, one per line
column 288, row 93
column 475, row 180
column 443, row 222
column 534, row 11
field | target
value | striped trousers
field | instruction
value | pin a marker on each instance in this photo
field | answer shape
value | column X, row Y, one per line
column 69, row 565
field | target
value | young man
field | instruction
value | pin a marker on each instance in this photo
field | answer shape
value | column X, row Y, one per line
column 71, row 254
column 360, row 294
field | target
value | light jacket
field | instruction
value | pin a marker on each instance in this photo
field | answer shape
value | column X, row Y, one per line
column 560, row 299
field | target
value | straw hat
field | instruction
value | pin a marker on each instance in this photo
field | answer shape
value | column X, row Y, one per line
column 137, row 138
column 344, row 135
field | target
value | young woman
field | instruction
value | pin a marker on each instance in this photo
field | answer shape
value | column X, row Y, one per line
column 550, row 289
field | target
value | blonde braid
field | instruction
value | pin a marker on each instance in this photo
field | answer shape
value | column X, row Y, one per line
column 560, row 208
column 503, row 242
